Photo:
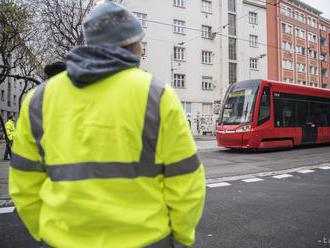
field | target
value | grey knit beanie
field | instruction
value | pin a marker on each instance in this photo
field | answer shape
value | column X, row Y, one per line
column 111, row 23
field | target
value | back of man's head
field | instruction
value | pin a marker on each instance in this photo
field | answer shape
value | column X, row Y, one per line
column 111, row 23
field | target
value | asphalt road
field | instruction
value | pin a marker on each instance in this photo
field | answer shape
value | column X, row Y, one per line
column 291, row 212
column 274, row 213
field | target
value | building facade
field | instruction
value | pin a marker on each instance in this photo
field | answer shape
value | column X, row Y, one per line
column 10, row 91
column 298, row 39
column 244, row 48
column 200, row 47
column 182, row 49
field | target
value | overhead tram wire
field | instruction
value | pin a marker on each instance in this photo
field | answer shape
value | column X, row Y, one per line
column 217, row 33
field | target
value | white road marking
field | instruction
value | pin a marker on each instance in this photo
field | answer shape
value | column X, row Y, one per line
column 305, row 171
column 7, row 210
column 282, row 176
column 213, row 185
column 324, row 167
column 251, row 180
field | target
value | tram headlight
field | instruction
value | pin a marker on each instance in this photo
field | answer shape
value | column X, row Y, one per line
column 243, row 128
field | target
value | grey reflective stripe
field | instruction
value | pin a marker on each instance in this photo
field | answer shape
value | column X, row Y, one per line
column 24, row 164
column 90, row 170
column 35, row 113
column 151, row 123
column 166, row 242
column 182, row 167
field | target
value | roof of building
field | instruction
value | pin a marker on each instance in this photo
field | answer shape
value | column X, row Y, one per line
column 306, row 6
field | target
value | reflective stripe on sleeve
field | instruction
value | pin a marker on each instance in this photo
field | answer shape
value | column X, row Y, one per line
column 182, row 167
column 20, row 163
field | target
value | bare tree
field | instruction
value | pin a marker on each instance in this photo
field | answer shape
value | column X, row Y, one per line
column 14, row 32
column 61, row 25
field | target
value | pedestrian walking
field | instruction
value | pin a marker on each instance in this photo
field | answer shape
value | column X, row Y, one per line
column 10, row 130
column 103, row 155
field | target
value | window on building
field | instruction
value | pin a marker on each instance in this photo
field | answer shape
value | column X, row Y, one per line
column 207, row 83
column 300, row 67
column 312, row 37
column 232, row 5
column 179, row 3
column 299, row 16
column 2, row 95
column 286, row 28
column 207, row 57
column 323, row 28
column 253, row 63
column 231, row 24
column 324, row 72
column 14, row 100
column 179, row 53
column 207, row 109
column 286, row 10
column 179, row 80
column 313, row 70
column 288, row 80
column 253, row 17
column 144, row 49
column 287, row 64
column 232, row 72
column 207, row 32
column 300, row 33
column 187, row 107
column 286, row 46
column 142, row 18
column 179, row 26
column 207, row 6
column 312, row 54
column 300, row 50
column 232, row 48
column 253, row 40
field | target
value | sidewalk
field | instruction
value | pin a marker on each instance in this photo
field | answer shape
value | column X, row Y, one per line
column 4, row 165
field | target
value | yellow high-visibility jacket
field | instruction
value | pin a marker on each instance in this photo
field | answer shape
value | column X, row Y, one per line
column 10, row 129
column 113, row 164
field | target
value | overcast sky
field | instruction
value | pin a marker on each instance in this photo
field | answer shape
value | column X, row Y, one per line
column 322, row 5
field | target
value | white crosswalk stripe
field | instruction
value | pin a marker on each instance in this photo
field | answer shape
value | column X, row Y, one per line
column 305, row 171
column 324, row 167
column 251, row 180
column 7, row 210
column 213, row 185
column 282, row 176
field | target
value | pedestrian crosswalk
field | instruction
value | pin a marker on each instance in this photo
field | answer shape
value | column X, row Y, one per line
column 219, row 182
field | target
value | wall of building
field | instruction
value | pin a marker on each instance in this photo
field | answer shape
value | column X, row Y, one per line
column 160, row 41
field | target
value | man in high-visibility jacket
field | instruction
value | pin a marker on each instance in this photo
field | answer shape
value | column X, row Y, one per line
column 103, row 155
column 10, row 131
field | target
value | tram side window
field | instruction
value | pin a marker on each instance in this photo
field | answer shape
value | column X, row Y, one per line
column 264, row 109
column 319, row 114
column 285, row 115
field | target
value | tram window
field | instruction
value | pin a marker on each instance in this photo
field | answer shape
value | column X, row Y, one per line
column 285, row 115
column 264, row 108
column 319, row 114
column 302, row 113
